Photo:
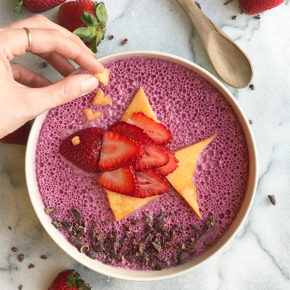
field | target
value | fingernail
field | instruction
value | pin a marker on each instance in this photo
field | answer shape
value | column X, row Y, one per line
column 88, row 84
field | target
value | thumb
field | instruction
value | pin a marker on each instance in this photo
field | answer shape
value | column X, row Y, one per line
column 61, row 92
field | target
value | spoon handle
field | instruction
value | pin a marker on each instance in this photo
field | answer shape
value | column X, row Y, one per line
column 202, row 24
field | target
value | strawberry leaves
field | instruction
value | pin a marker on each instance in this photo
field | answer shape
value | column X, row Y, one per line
column 96, row 26
column 18, row 6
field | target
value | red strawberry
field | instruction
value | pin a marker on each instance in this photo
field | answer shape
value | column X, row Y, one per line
column 154, row 156
column 19, row 136
column 69, row 280
column 132, row 132
column 86, row 154
column 171, row 165
column 117, row 151
column 129, row 130
column 36, row 6
column 86, row 19
column 150, row 183
column 258, row 6
column 122, row 180
column 156, row 131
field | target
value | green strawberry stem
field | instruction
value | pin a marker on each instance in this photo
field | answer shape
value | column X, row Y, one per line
column 96, row 26
column 18, row 6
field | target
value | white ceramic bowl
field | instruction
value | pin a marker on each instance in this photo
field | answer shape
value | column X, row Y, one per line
column 146, row 275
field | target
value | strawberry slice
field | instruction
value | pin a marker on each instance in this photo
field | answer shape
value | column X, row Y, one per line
column 171, row 165
column 86, row 153
column 117, row 151
column 156, row 131
column 130, row 131
column 121, row 180
column 154, row 157
column 150, row 183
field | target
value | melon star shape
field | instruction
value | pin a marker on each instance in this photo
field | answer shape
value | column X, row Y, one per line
column 180, row 179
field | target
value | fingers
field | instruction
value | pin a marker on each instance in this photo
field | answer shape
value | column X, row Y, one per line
column 41, row 21
column 60, row 63
column 69, row 88
column 27, row 77
column 47, row 41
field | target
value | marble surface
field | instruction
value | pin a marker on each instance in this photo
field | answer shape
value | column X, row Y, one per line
column 259, row 256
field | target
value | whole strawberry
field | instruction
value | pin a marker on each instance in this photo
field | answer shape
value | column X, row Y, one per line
column 69, row 280
column 258, row 6
column 36, row 6
column 19, row 136
column 85, row 18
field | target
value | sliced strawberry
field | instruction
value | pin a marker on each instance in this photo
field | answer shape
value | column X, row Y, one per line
column 132, row 132
column 122, row 180
column 156, row 131
column 150, row 183
column 129, row 130
column 86, row 153
column 117, row 151
column 171, row 165
column 154, row 157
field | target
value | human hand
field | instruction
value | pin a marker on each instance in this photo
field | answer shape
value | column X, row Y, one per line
column 25, row 94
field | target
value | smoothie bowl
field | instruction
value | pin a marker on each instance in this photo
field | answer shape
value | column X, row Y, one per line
column 166, row 217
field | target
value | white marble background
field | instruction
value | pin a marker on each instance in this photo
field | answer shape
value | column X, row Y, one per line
column 259, row 256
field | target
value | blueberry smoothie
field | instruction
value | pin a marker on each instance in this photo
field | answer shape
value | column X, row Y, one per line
column 165, row 232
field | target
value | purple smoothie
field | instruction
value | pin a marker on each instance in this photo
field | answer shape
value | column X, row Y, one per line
column 193, row 110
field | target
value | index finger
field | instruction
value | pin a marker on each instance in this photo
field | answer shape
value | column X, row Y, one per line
column 40, row 21
column 45, row 41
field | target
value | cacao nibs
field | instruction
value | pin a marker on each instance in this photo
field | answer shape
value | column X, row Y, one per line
column 20, row 258
column 250, row 122
column 252, row 87
column 110, row 37
column 20, row 287
column 50, row 210
column 43, row 257
column 227, row 2
column 257, row 17
column 9, row 228
column 125, row 41
column 14, row 249
column 75, row 213
column 234, row 17
column 30, row 266
column 198, row 5
column 181, row 258
column 272, row 199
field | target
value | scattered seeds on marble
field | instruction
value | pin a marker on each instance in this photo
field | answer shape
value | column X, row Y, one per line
column 110, row 37
column 125, row 41
column 234, row 17
column 43, row 257
column 20, row 287
column 30, row 266
column 252, row 87
column 272, row 199
column 250, row 122
column 257, row 17
column 14, row 249
column 20, row 257
column 9, row 228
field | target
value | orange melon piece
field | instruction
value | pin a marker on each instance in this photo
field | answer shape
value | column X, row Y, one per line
column 92, row 115
column 123, row 205
column 181, row 178
column 100, row 99
column 103, row 76
column 139, row 103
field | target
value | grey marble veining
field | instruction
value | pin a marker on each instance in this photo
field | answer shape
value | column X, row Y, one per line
column 259, row 256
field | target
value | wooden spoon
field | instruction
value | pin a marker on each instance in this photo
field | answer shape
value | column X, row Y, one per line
column 228, row 60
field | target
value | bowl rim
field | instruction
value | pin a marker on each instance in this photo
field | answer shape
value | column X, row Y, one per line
column 121, row 273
